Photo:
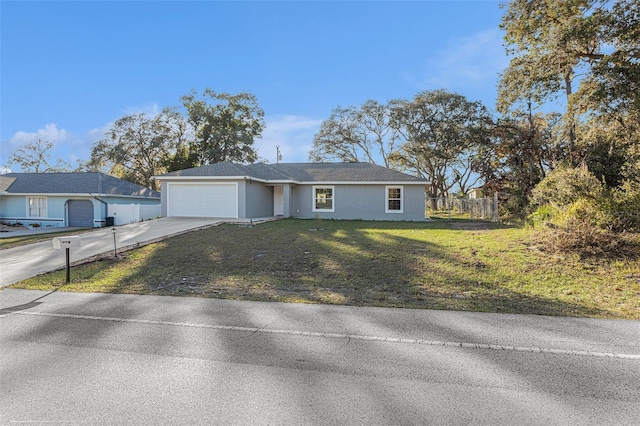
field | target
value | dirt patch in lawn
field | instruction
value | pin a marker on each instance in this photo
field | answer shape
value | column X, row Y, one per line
column 474, row 225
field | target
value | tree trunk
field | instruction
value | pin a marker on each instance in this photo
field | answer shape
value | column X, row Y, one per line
column 572, row 122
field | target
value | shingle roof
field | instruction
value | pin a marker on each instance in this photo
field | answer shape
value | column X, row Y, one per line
column 5, row 182
column 224, row 168
column 73, row 183
column 300, row 172
column 343, row 172
column 229, row 169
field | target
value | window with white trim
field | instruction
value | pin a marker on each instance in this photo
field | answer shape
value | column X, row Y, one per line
column 37, row 206
column 323, row 199
column 393, row 199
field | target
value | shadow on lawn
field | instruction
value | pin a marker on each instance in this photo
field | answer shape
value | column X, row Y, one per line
column 356, row 263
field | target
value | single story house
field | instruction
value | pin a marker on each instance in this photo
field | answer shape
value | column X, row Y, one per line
column 474, row 193
column 70, row 199
column 302, row 190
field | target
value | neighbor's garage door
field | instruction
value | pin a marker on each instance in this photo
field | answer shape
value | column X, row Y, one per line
column 202, row 200
column 80, row 213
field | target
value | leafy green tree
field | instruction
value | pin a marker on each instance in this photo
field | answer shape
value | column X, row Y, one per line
column 140, row 146
column 606, row 151
column 523, row 148
column 436, row 135
column 225, row 127
column 544, row 56
column 612, row 84
column 554, row 41
column 442, row 133
column 35, row 157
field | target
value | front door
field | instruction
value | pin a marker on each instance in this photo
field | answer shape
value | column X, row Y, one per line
column 278, row 201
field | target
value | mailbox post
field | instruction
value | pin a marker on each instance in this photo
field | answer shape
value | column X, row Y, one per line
column 66, row 243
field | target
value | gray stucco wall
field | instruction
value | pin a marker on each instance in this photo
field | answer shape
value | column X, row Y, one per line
column 365, row 202
column 259, row 200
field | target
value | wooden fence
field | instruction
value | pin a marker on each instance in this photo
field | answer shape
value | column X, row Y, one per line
column 470, row 208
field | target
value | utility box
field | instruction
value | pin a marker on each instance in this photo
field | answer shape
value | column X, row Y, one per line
column 66, row 242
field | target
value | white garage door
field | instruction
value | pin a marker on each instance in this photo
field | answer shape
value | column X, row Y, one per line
column 202, row 200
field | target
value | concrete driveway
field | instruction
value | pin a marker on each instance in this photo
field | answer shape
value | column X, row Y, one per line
column 19, row 263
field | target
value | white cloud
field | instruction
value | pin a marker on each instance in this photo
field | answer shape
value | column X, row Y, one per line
column 292, row 133
column 97, row 133
column 50, row 133
column 66, row 145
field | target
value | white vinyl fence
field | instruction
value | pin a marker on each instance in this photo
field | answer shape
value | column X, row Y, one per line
column 130, row 213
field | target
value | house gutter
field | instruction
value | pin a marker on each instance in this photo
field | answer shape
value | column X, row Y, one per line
column 106, row 206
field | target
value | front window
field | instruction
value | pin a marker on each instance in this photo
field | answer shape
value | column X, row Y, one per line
column 37, row 206
column 394, row 199
column 323, row 199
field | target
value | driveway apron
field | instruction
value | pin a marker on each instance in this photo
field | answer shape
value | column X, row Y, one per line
column 20, row 263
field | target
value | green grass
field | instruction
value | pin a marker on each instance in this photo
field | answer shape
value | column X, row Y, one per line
column 461, row 265
column 10, row 242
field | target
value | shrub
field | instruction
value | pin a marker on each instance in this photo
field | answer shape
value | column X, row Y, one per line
column 577, row 214
column 564, row 186
column 625, row 205
column 544, row 215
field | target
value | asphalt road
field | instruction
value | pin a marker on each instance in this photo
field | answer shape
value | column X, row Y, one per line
column 121, row 359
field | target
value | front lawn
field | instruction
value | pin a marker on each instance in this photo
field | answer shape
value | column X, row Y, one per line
column 461, row 265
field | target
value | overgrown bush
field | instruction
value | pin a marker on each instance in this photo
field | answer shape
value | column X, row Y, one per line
column 564, row 186
column 589, row 241
column 625, row 205
column 576, row 213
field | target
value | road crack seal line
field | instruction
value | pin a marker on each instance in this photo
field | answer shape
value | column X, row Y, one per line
column 349, row 337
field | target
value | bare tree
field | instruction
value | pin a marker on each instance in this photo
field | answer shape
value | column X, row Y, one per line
column 35, row 157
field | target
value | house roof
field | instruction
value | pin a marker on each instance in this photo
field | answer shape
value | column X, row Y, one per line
column 5, row 182
column 343, row 172
column 72, row 183
column 299, row 172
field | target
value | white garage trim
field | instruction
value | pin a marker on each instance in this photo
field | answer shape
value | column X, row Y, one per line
column 202, row 199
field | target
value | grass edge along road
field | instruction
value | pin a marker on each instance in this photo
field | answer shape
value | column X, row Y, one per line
column 457, row 265
column 10, row 241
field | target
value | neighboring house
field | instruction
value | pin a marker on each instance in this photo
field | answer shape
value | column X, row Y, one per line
column 71, row 199
column 474, row 193
column 303, row 190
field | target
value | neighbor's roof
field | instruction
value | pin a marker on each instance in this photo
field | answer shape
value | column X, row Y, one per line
column 300, row 172
column 5, row 182
column 72, row 183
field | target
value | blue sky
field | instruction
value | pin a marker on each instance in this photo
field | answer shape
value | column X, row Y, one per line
column 70, row 69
